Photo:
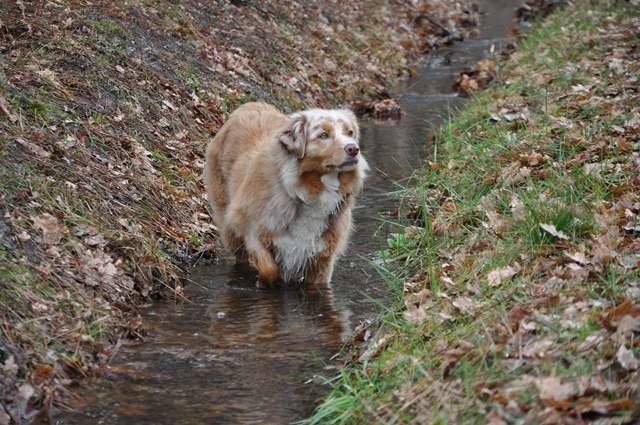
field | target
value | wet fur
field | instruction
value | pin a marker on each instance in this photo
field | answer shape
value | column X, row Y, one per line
column 282, row 192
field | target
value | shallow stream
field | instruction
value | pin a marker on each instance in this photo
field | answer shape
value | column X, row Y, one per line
column 240, row 355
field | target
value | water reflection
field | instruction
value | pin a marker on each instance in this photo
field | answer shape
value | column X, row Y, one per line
column 235, row 354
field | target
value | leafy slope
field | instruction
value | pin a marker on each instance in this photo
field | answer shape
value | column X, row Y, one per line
column 524, row 238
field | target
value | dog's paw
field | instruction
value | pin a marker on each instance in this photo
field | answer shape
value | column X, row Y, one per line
column 261, row 284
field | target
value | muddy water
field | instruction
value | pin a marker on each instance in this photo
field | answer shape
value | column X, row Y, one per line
column 237, row 354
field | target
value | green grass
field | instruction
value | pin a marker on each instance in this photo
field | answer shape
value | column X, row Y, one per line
column 418, row 377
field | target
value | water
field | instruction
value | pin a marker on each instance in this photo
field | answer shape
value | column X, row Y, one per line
column 237, row 354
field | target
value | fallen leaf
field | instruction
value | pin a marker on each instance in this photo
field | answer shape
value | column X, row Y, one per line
column 51, row 230
column 465, row 305
column 24, row 236
column 578, row 257
column 552, row 388
column 25, row 392
column 34, row 148
column 4, row 417
column 551, row 229
column 374, row 347
column 494, row 418
column 10, row 368
column 418, row 315
column 579, row 88
column 628, row 324
column 4, row 107
column 538, row 348
column 630, row 262
column 514, row 173
column 497, row 276
column 169, row 105
column 616, row 313
column 497, row 223
column 410, row 232
column 626, row 358
column 604, row 407
column 517, row 208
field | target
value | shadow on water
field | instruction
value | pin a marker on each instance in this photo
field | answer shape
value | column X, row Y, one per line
column 237, row 354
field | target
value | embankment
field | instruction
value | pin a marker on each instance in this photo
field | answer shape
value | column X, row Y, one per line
column 518, row 259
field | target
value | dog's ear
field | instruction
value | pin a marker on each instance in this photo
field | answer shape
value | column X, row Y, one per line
column 294, row 136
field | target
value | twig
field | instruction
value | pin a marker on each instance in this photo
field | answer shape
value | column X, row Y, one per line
column 434, row 22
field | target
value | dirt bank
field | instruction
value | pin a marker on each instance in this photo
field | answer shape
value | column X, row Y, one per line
column 105, row 109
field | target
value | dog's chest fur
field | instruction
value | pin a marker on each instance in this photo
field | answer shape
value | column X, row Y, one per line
column 302, row 238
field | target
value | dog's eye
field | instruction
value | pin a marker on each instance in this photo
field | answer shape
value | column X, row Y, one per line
column 324, row 135
column 350, row 133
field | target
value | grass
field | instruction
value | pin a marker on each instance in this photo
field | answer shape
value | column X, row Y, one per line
column 459, row 347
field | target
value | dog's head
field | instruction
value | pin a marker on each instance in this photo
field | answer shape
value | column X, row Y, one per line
column 324, row 140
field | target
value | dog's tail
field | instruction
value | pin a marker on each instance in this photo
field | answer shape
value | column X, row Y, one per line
column 214, row 179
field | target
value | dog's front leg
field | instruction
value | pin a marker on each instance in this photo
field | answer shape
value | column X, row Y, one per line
column 260, row 257
column 321, row 270
column 335, row 239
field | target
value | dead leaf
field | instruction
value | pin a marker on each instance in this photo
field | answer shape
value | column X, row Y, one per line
column 494, row 418
column 4, row 107
column 169, row 104
column 5, row 419
column 497, row 223
column 410, row 232
column 374, row 347
column 34, row 148
column 626, row 358
column 614, row 314
column 418, row 315
column 24, row 236
column 51, row 230
column 552, row 388
column 497, row 276
column 629, row 262
column 514, row 174
column 143, row 157
column 464, row 304
column 605, row 407
column 10, row 368
column 25, row 392
column 517, row 208
column 387, row 109
column 413, row 299
column 551, row 229
column 509, row 117
column 628, row 324
column 96, row 240
column 538, row 348
column 578, row 257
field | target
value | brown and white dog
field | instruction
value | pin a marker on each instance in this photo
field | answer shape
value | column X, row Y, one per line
column 282, row 189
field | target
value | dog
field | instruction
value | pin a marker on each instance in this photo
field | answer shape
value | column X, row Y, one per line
column 282, row 189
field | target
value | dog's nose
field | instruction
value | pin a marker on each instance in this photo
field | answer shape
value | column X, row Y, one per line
column 352, row 149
